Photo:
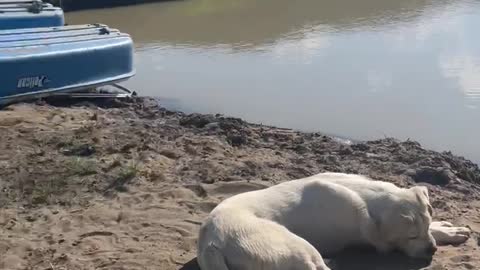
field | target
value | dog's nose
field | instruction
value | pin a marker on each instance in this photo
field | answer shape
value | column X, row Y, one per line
column 431, row 250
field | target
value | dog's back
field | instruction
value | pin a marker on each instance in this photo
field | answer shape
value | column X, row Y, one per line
column 266, row 229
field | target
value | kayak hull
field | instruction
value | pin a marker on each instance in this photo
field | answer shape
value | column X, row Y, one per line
column 38, row 62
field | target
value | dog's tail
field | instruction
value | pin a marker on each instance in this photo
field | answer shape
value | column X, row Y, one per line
column 210, row 258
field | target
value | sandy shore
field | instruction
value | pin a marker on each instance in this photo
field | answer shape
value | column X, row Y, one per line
column 125, row 186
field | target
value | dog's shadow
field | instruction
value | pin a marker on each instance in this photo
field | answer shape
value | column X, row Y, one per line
column 358, row 259
column 366, row 259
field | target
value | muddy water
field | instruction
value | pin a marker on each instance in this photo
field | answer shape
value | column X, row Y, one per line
column 356, row 68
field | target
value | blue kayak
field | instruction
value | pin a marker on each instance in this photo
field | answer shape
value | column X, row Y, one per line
column 37, row 62
column 29, row 14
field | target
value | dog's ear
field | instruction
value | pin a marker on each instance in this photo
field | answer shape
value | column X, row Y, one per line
column 378, row 237
column 421, row 192
column 430, row 209
column 371, row 228
column 377, row 231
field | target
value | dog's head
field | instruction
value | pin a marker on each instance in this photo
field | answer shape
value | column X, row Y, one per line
column 406, row 225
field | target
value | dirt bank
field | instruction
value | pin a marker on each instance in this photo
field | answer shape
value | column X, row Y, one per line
column 126, row 185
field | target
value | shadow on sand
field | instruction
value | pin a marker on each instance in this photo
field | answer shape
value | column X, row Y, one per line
column 358, row 260
column 362, row 259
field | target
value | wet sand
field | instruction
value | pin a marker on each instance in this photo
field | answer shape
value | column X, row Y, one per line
column 126, row 185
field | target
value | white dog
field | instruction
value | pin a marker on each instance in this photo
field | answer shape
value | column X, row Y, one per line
column 288, row 226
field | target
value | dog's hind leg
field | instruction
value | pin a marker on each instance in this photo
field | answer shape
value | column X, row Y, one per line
column 237, row 241
column 271, row 246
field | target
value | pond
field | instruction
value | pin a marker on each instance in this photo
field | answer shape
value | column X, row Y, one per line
column 357, row 69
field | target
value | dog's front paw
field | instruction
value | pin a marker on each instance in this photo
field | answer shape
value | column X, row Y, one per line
column 450, row 235
column 441, row 224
